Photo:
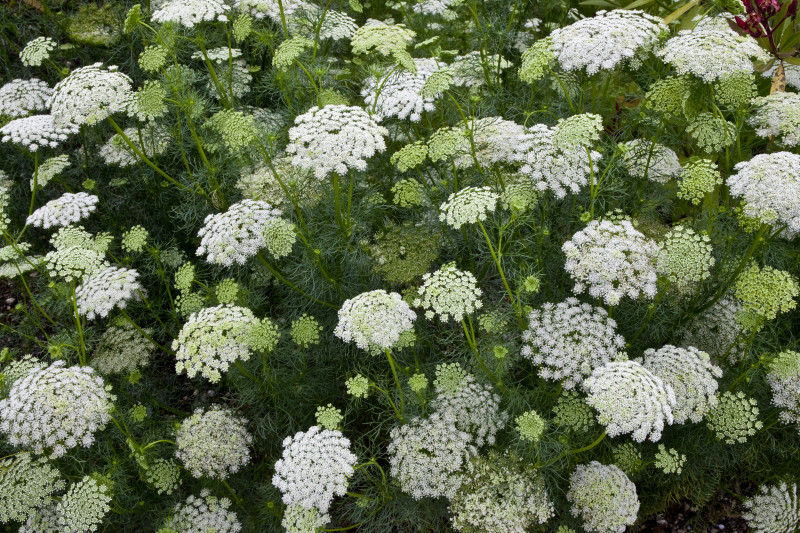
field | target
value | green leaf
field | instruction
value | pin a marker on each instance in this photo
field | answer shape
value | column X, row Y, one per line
column 680, row 11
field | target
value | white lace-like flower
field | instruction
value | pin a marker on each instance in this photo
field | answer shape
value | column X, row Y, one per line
column 718, row 331
column 238, row 233
column 469, row 70
column 212, row 339
column 769, row 184
column 64, row 211
column 271, row 8
column 213, row 443
column 36, row 51
column 777, row 116
column 468, row 206
column 190, row 12
column 603, row 497
column 90, row 94
column 74, row 262
column 473, row 408
column 783, row 377
column 612, row 261
column 335, row 138
column 204, row 513
column 568, row 341
column 19, row 98
column 775, row 509
column 36, row 131
column 449, row 293
column 630, row 399
column 314, row 468
column 54, row 409
column 691, row 375
column 298, row 519
column 117, row 152
column 428, row 456
column 84, row 506
column 374, row 318
column 495, row 140
column 608, row 39
column 44, row 520
column 399, row 94
column 685, row 258
column 645, row 158
column 25, row 485
column 102, row 291
column 122, row 349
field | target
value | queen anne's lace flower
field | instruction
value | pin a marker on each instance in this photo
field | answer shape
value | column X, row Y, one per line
column 48, row 170
column 117, row 152
column 428, row 456
column 568, row 341
column 314, row 468
column 56, row 408
column 608, row 39
column 536, row 60
column 19, row 98
column 711, row 133
column 84, row 506
column 603, row 497
column 734, row 418
column 90, row 94
column 36, row 131
column 64, row 211
column 472, row 407
column 122, row 349
column 204, row 513
column 72, row 263
column 298, row 519
column 212, row 339
column 495, row 141
column 36, row 51
column 271, row 8
column 783, row 376
column 25, row 485
column 698, row 178
column 630, row 399
column 470, row 70
column 335, row 138
column 102, row 291
column 468, row 206
column 374, row 318
column 612, row 261
column 190, row 12
column 670, row 461
column 652, row 160
column 766, row 291
column 571, row 411
column 213, row 443
column 685, row 258
column 692, row 377
column 776, row 116
column 775, row 509
column 396, row 93
column 449, row 293
column 384, row 39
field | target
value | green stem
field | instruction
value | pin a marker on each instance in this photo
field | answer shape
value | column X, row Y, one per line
column 397, row 382
column 496, row 259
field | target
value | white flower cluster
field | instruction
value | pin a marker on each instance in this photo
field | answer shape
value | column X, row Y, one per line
column 608, row 39
column 298, row 519
column 630, row 399
column 691, row 375
column 122, row 349
column 238, row 233
column 205, row 513
column 396, row 93
column 685, row 258
column 90, row 94
column 44, row 520
column 212, row 339
column 374, row 318
column 449, row 293
column 769, row 184
column 213, row 443
column 468, row 206
column 712, row 52
column 49, row 169
column 335, row 138
column 63, row 211
column 734, row 418
column 568, row 341
column 428, row 456
column 190, row 12
column 470, row 70
column 316, row 466
column 271, row 8
column 495, row 140
column 84, row 506
column 19, row 98
column 776, row 116
column 473, row 408
column 783, row 377
column 74, row 262
column 775, row 509
column 102, row 291
column 55, row 409
column 25, row 485
column 650, row 159
column 603, row 497
column 613, row 260
column 36, row 131
column 718, row 330
column 36, row 51
column 154, row 140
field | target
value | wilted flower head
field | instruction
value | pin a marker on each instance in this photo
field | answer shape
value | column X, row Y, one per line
column 783, row 376
column 122, row 348
column 213, row 443
column 374, row 318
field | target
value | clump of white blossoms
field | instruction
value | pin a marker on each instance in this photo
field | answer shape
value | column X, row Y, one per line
column 471, row 69
column 374, row 319
column 315, row 467
column 90, row 94
column 36, row 51
column 685, row 258
column 36, row 131
column 712, row 52
column 428, row 456
column 190, row 12
column 608, row 39
column 734, row 418
column 699, row 177
column 204, row 513
column 298, row 519
column 19, row 98
column 500, row 494
column 54, row 409
column 48, row 170
column 154, row 140
column 649, row 159
column 612, row 261
column 468, row 206
column 775, row 509
column 776, row 116
column 213, row 443
column 396, row 93
column 718, row 330
column 335, row 138
column 238, row 233
column 569, row 340
column 691, row 375
column 769, row 184
column 102, row 291
column 25, row 485
column 84, row 506
column 63, row 211
column 783, row 376
column 630, row 399
column 603, row 497
column 494, row 139
column 449, row 293
column 212, row 339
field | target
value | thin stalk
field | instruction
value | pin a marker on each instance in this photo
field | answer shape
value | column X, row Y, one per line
column 397, row 382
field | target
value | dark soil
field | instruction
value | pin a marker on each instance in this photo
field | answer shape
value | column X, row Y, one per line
column 718, row 516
